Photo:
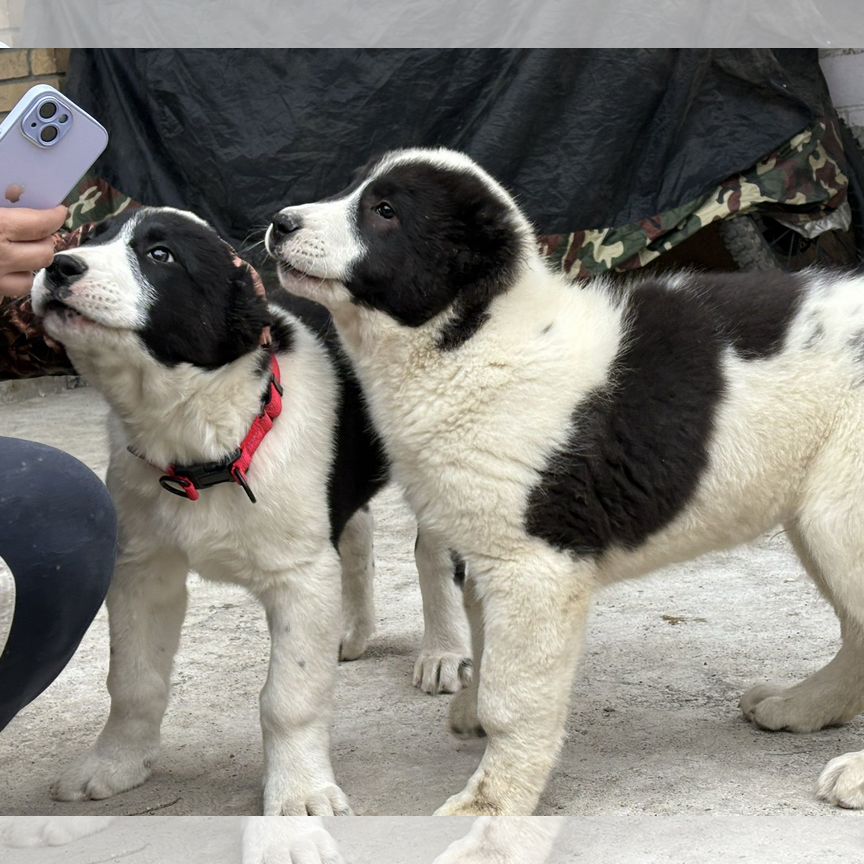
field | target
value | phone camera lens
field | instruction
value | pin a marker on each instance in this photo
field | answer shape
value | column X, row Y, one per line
column 47, row 110
column 48, row 134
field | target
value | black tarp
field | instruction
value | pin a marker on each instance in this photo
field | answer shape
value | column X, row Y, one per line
column 585, row 138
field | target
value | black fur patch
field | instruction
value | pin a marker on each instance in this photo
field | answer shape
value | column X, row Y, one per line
column 360, row 468
column 282, row 337
column 753, row 310
column 464, row 324
column 638, row 448
column 205, row 311
column 450, row 241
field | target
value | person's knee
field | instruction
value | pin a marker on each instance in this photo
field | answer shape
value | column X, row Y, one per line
column 64, row 519
column 86, row 524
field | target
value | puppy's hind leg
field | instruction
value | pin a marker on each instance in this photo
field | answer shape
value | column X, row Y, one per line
column 443, row 665
column 834, row 694
column 146, row 606
column 842, row 692
column 357, row 553
column 828, row 534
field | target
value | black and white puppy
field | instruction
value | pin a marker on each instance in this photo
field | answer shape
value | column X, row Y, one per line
column 159, row 314
column 563, row 438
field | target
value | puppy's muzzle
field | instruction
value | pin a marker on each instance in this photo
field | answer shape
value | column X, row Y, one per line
column 64, row 270
column 283, row 225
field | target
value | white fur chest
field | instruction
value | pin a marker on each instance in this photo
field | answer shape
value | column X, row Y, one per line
column 469, row 431
column 223, row 534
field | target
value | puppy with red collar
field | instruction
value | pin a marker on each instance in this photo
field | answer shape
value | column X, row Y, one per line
column 241, row 449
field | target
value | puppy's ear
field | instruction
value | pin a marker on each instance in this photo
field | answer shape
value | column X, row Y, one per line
column 248, row 314
column 489, row 248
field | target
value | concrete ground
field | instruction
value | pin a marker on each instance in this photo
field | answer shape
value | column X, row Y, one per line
column 598, row 840
column 653, row 730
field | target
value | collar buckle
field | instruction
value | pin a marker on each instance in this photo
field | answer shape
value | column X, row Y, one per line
column 181, row 486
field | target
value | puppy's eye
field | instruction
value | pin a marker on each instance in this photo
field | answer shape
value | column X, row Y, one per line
column 161, row 255
column 385, row 210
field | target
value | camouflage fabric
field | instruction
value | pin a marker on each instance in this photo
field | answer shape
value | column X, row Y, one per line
column 803, row 178
column 25, row 350
column 94, row 200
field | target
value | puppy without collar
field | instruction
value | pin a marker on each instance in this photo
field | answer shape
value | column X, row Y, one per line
column 566, row 437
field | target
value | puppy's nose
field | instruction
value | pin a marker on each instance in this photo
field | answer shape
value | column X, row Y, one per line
column 65, row 269
column 284, row 224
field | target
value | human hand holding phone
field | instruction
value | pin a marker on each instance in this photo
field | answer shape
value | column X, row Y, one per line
column 26, row 245
column 47, row 143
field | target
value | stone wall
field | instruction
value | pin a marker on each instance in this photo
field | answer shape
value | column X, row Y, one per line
column 20, row 69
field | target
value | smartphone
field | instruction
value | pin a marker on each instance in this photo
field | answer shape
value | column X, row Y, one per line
column 47, row 143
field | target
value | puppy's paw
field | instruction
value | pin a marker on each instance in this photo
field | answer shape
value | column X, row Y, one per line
column 316, row 847
column 793, row 709
column 354, row 642
column 23, row 831
column 469, row 851
column 469, row 803
column 509, row 840
column 463, row 718
column 842, row 781
column 288, row 841
column 325, row 800
column 437, row 671
column 96, row 776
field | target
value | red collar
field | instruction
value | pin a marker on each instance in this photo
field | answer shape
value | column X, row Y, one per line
column 187, row 480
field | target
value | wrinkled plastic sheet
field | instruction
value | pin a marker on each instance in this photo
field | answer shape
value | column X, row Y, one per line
column 586, row 138
column 443, row 23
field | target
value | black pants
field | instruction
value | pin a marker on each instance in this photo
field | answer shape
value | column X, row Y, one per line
column 58, row 535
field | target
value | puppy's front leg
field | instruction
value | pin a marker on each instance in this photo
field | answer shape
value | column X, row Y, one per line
column 291, row 840
column 303, row 613
column 505, row 840
column 146, row 606
column 535, row 610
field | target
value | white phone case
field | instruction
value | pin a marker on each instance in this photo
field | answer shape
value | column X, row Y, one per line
column 38, row 176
